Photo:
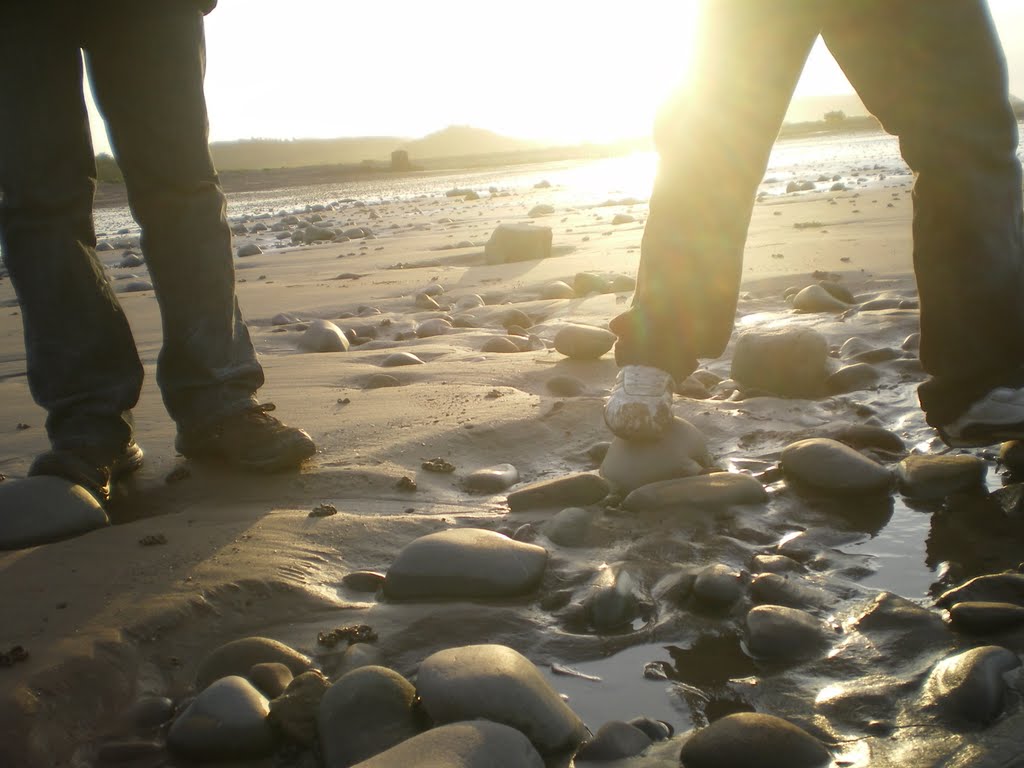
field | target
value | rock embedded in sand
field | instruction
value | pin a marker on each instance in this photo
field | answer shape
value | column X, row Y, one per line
column 715, row 490
column 227, row 720
column 935, row 477
column 853, row 378
column 366, row 712
column 284, row 318
column 569, row 527
column 469, row 301
column 398, row 359
column 774, row 564
column 270, row 678
column 614, row 740
column 680, row 452
column 577, row 490
column 614, row 599
column 970, row 686
column 476, row 744
column 500, row 345
column 496, row 683
column 249, row 249
column 436, row 326
column 718, row 586
column 565, row 386
column 559, row 289
column 829, row 466
column 465, row 563
column 583, row 342
column 426, row 301
column 323, row 336
column 295, row 711
column 541, row 210
column 622, row 218
column 363, row 581
column 41, row 509
column 778, row 632
column 381, row 381
column 494, row 479
column 239, row 656
column 788, row 590
column 514, row 241
column 753, row 740
column 788, row 362
column 815, row 298
column 838, row 290
column 590, row 282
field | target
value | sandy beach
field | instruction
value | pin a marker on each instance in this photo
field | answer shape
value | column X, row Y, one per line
column 197, row 557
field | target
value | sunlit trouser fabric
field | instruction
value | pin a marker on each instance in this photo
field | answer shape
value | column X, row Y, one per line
column 146, row 62
column 933, row 73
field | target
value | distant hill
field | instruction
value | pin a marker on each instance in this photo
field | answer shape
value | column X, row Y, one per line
column 812, row 108
column 454, row 141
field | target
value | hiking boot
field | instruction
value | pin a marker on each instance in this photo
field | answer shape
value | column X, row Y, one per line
column 640, row 405
column 994, row 418
column 84, row 468
column 250, row 440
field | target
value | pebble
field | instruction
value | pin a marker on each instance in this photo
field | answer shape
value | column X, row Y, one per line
column 715, row 490
column 465, row 563
column 718, row 586
column 838, row 290
column 366, row 712
column 227, row 720
column 774, row 564
column 789, row 590
column 426, row 301
column 778, row 632
column 476, row 744
column 992, row 587
column 469, row 301
column 569, row 528
column 249, row 249
column 681, row 452
column 398, row 359
column 150, row 712
column 541, row 210
column 753, row 740
column 583, row 342
column 295, row 711
column 614, row 740
column 239, row 656
column 613, row 600
column 497, row 683
column 854, row 346
column 853, row 378
column 788, row 362
column 323, row 336
column 656, row 730
column 436, row 326
column 363, row 581
column 935, row 477
column 577, row 490
column 970, row 685
column 585, row 283
column 912, row 343
column 270, row 677
column 41, row 509
column 495, row 479
column 284, row 318
column 513, row 241
column 130, row 261
column 381, row 380
column 558, row 290
column 815, row 298
column 832, row 467
column 859, row 436
column 985, row 617
column 565, row 386
column 499, row 344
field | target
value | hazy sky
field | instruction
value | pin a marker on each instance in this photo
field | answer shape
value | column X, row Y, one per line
column 566, row 70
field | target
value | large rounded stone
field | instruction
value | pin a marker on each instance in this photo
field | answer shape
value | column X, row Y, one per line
column 716, row 490
column 970, row 685
column 753, row 740
column 583, row 342
column 295, row 711
column 465, row 563
column 935, row 477
column 512, row 241
column 681, row 452
column 323, row 336
column 816, row 298
column 41, row 509
column 239, row 656
column 852, row 378
column 576, row 490
column 368, row 711
column 494, row 479
column 718, row 585
column 992, row 587
column 226, row 720
column 496, row 683
column 829, row 466
column 477, row 744
column 613, row 741
column 778, row 632
column 789, row 362
column 569, row 527
column 983, row 618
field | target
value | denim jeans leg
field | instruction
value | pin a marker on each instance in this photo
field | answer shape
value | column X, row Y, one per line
column 714, row 139
column 82, row 364
column 147, row 67
column 944, row 93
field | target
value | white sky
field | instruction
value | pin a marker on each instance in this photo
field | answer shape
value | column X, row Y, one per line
column 322, row 68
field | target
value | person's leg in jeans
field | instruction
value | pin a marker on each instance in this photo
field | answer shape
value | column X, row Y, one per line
column 147, row 67
column 82, row 364
column 933, row 72
column 714, row 141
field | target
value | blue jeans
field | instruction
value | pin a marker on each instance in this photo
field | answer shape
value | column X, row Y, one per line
column 933, row 73
column 146, row 62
